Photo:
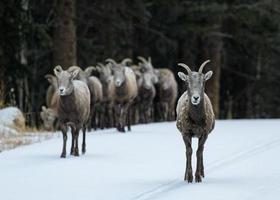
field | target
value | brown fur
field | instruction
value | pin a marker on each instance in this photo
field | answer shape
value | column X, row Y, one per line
column 184, row 123
column 195, row 118
column 73, row 108
column 166, row 97
column 96, row 92
column 123, row 98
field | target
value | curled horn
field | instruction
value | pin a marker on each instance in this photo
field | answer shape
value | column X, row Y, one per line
column 110, row 60
column 142, row 59
column 202, row 65
column 186, row 67
column 101, row 64
column 88, row 70
column 126, row 60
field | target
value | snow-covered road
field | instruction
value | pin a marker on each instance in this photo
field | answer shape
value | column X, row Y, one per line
column 242, row 161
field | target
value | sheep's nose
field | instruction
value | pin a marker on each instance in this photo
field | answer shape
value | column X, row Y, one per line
column 61, row 90
column 118, row 83
column 196, row 97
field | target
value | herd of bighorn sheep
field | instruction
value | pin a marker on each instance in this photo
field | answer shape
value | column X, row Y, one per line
column 122, row 93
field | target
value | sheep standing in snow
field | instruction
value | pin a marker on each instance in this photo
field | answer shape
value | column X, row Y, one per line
column 73, row 108
column 146, row 89
column 106, row 79
column 96, row 93
column 52, row 89
column 195, row 117
column 125, row 91
column 166, row 95
column 49, row 113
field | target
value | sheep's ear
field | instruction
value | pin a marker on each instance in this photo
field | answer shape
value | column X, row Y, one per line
column 208, row 75
column 57, row 70
column 50, row 78
column 74, row 73
column 44, row 108
column 183, row 76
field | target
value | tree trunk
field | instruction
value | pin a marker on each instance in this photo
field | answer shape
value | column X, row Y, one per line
column 64, row 34
column 213, row 51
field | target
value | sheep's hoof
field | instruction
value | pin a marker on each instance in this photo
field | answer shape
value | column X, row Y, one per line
column 189, row 178
column 122, row 130
column 202, row 173
column 198, row 178
column 84, row 150
column 76, row 152
column 63, row 155
column 72, row 152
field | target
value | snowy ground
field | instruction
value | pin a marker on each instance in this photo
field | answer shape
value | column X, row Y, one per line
column 241, row 162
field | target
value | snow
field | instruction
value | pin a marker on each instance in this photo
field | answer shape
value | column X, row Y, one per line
column 241, row 162
column 7, row 115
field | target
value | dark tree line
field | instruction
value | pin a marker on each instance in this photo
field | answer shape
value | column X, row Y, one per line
column 242, row 39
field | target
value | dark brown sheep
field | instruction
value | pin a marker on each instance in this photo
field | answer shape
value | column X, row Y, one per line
column 195, row 117
column 73, row 108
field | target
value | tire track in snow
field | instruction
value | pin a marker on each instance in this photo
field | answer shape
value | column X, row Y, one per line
column 212, row 166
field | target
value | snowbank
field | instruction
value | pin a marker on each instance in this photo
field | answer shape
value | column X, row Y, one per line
column 13, row 118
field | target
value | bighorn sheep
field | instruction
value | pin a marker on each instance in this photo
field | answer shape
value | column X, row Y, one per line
column 166, row 95
column 125, row 91
column 147, row 91
column 49, row 113
column 106, row 79
column 51, row 89
column 73, row 108
column 195, row 117
column 96, row 93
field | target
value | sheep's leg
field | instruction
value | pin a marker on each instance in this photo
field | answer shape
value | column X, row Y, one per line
column 73, row 142
column 188, row 172
column 118, row 117
column 129, row 118
column 122, row 119
column 84, row 140
column 199, row 156
column 93, row 118
column 76, row 149
column 146, row 112
column 73, row 129
column 165, row 113
column 126, row 117
column 64, row 133
column 151, row 112
column 111, row 117
column 102, row 114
